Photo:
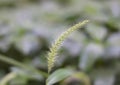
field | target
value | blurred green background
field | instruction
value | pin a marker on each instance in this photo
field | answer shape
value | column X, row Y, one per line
column 28, row 27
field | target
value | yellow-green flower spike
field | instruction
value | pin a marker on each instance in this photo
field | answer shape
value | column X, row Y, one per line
column 55, row 47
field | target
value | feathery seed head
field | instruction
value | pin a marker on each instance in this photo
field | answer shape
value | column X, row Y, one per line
column 55, row 47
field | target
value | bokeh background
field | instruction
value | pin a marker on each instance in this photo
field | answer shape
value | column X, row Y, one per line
column 28, row 27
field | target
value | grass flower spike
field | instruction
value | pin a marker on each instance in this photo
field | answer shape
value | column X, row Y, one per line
column 55, row 47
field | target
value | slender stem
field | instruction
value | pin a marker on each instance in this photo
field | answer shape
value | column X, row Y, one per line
column 16, row 63
column 7, row 78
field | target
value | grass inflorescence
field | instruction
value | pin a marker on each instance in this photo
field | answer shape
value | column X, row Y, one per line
column 55, row 47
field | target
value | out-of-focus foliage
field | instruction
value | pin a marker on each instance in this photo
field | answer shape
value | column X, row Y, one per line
column 28, row 27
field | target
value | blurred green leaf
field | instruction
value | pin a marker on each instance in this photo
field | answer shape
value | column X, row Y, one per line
column 58, row 75
column 77, row 78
